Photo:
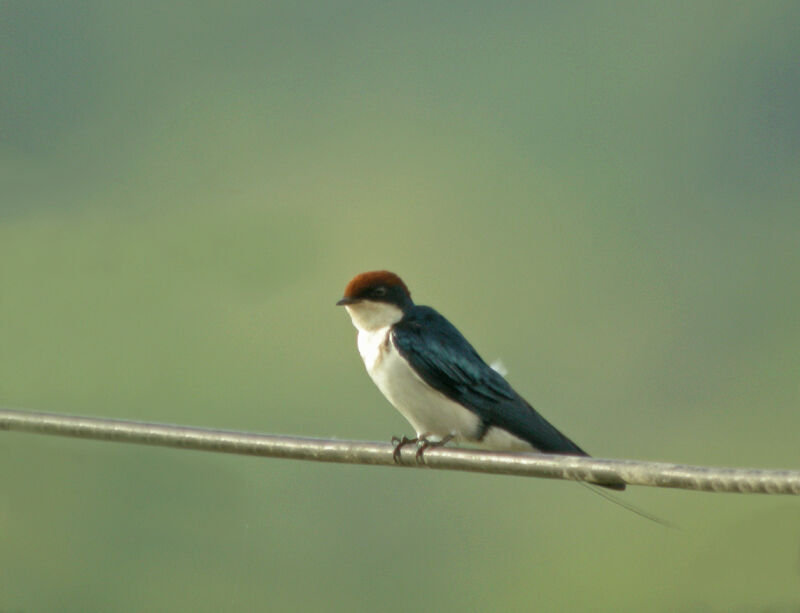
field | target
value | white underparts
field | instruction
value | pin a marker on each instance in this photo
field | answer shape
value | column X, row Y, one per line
column 430, row 412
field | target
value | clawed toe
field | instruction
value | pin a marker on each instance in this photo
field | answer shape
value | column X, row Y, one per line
column 425, row 443
column 399, row 443
column 422, row 445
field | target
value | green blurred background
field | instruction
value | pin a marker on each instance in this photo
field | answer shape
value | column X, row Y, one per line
column 604, row 195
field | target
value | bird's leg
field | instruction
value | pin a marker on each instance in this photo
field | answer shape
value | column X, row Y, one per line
column 399, row 443
column 424, row 443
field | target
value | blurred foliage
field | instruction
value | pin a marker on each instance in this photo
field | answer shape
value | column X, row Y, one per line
column 604, row 194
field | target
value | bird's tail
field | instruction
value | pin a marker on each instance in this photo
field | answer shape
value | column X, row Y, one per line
column 611, row 483
column 625, row 505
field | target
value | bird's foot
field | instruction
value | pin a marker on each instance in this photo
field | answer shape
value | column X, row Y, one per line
column 425, row 443
column 399, row 443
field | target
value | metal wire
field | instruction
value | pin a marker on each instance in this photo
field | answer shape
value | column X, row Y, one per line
column 633, row 472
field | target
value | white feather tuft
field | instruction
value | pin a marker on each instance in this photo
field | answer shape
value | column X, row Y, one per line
column 499, row 367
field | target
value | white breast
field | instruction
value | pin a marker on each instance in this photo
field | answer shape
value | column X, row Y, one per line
column 430, row 412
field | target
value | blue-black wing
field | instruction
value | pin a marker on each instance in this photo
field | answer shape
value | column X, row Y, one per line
column 447, row 362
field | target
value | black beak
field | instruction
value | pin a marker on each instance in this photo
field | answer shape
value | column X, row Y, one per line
column 345, row 301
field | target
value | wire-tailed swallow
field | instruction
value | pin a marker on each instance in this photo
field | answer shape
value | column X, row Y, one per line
column 436, row 379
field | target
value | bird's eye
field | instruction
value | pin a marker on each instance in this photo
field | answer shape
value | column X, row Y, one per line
column 379, row 292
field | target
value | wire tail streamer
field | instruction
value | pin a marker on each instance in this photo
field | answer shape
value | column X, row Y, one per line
column 627, row 505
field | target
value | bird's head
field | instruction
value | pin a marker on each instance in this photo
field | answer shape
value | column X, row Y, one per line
column 376, row 299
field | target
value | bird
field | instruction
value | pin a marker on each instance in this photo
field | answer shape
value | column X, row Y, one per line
column 435, row 378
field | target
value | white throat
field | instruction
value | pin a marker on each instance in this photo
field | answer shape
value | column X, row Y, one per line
column 369, row 316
